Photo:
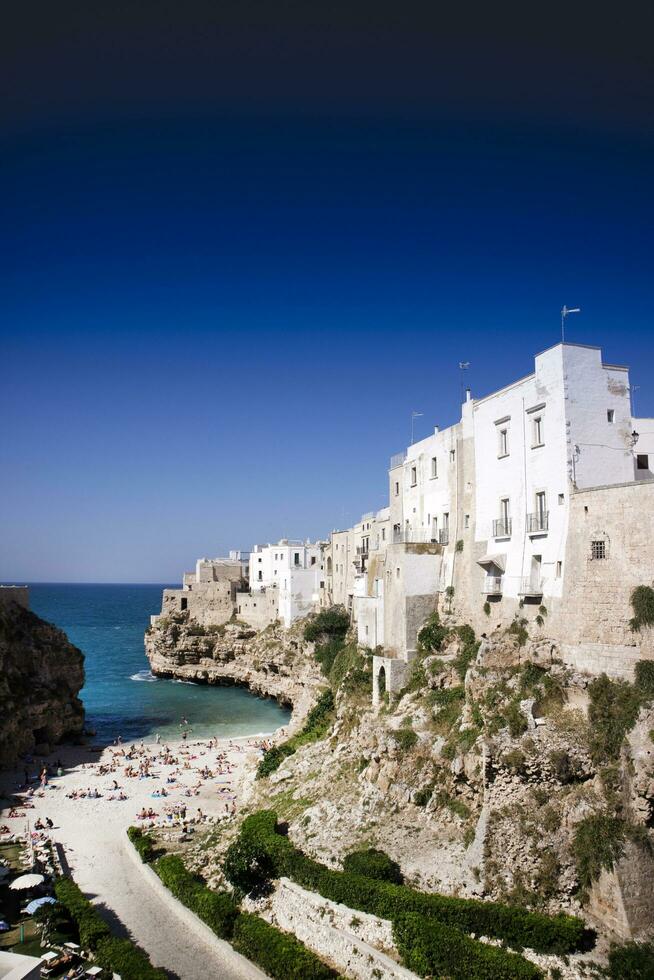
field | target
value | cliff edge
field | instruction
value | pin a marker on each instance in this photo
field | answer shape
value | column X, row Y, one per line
column 41, row 674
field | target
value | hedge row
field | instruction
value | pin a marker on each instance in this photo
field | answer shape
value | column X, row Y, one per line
column 432, row 949
column 142, row 844
column 114, row 955
column 217, row 909
column 518, row 927
column 279, row 954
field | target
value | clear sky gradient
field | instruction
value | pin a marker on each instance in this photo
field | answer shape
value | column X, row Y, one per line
column 242, row 242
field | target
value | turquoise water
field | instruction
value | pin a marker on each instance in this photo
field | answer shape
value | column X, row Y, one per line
column 107, row 623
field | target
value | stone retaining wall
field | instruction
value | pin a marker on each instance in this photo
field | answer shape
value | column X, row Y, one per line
column 349, row 939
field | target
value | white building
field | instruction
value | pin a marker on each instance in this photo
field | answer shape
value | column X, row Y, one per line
column 480, row 511
column 295, row 570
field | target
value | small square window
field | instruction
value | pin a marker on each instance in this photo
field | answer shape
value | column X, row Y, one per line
column 597, row 550
column 610, row 415
column 642, row 462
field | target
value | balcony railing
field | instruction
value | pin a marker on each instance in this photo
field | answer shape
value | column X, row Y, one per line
column 362, row 549
column 444, row 536
column 419, row 535
column 531, row 586
column 493, row 585
column 502, row 528
column 397, row 459
column 538, row 522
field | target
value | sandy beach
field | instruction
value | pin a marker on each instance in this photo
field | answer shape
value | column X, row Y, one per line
column 201, row 780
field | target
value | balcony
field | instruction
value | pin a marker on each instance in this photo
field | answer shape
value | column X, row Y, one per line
column 502, row 528
column 493, row 585
column 362, row 549
column 538, row 523
column 410, row 535
column 444, row 536
column 397, row 459
column 531, row 587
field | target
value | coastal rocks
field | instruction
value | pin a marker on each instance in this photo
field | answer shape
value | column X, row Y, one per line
column 41, row 674
column 276, row 662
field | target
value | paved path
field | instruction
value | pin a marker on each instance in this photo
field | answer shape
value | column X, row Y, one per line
column 136, row 909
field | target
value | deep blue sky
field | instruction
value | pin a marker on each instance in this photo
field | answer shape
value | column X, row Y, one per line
column 241, row 242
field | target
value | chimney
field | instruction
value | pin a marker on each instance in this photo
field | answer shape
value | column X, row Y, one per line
column 468, row 396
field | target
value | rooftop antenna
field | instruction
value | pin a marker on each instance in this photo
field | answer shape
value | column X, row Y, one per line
column 414, row 415
column 564, row 313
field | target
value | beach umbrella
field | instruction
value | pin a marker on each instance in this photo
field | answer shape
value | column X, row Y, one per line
column 26, row 881
column 38, row 902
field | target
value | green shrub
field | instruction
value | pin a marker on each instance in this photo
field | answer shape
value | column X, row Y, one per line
column 123, row 957
column 645, row 679
column 642, row 603
column 468, row 651
column 248, row 867
column 632, row 960
column 142, row 844
column 459, row 545
column 372, row 863
column 405, row 739
column 279, row 954
column 315, row 727
column 432, row 949
column 326, row 653
column 613, row 710
column 518, row 628
column 487, row 608
column 557, row 934
column 330, row 623
column 422, row 796
column 217, row 909
column 351, row 672
column 598, row 843
column 91, row 926
column 432, row 634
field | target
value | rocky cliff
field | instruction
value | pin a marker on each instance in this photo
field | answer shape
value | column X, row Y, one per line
column 275, row 662
column 41, row 674
column 497, row 772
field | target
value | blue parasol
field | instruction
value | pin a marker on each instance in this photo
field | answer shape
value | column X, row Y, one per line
column 38, row 902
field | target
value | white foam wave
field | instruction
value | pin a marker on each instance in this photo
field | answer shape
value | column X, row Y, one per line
column 176, row 680
column 143, row 675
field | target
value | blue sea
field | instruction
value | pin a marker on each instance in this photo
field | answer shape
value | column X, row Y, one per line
column 107, row 623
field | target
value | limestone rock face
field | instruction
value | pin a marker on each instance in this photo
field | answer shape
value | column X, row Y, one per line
column 276, row 662
column 41, row 674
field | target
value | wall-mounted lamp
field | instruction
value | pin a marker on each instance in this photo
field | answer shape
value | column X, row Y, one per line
column 635, row 436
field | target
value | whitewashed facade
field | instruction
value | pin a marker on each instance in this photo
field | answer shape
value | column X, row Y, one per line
column 295, row 570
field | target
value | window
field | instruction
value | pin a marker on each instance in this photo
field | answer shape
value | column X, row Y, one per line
column 597, row 550
column 260, row 576
column 183, row 603
column 313, row 560
column 296, row 558
column 397, row 573
column 642, row 462
column 505, row 512
column 466, row 520
column 414, row 476
column 610, row 415
column 537, row 432
column 559, row 569
column 383, row 533
column 541, row 506
column 434, row 467
column 561, row 499
column 452, row 455
column 504, row 442
column 397, row 489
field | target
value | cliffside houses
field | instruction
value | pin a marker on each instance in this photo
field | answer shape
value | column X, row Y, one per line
column 274, row 582
column 537, row 503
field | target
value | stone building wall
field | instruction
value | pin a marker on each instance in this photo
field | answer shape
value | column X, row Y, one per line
column 208, row 604
column 258, row 609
